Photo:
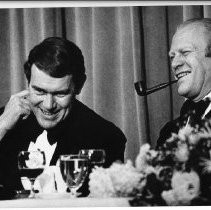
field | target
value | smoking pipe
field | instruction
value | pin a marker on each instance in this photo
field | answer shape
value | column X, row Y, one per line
column 141, row 89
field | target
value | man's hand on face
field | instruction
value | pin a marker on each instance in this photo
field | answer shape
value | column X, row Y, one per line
column 17, row 108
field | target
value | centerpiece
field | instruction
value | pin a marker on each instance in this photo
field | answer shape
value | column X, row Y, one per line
column 178, row 173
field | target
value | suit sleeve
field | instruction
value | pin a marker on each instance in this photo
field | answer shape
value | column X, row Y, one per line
column 116, row 148
column 166, row 132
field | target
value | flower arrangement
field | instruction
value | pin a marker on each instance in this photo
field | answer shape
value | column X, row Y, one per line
column 35, row 160
column 120, row 180
column 178, row 173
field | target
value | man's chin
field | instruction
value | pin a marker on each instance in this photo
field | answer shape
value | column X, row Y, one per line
column 183, row 90
column 47, row 125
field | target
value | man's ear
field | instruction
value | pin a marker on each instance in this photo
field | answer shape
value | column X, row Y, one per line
column 80, row 84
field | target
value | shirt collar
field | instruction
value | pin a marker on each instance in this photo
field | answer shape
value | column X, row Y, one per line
column 208, row 96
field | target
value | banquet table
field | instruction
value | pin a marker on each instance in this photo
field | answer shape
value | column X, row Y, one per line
column 52, row 201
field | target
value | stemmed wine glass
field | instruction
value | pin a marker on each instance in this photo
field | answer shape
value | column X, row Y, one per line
column 95, row 156
column 74, row 169
column 31, row 164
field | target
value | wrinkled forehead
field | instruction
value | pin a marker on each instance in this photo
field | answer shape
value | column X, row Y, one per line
column 193, row 28
column 193, row 35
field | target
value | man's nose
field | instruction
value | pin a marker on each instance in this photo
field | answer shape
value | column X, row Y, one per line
column 177, row 62
column 48, row 102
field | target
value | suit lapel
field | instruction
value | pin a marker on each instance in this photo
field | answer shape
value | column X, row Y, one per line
column 208, row 115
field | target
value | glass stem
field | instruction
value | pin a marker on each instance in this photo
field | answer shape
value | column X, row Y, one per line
column 32, row 191
column 73, row 192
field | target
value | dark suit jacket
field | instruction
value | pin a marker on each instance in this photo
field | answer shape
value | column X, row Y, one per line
column 83, row 129
column 169, row 128
column 174, row 125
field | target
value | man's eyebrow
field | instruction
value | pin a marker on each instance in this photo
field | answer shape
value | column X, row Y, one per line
column 181, row 49
column 38, row 88
column 64, row 91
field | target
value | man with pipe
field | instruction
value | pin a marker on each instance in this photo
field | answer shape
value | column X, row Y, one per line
column 190, row 56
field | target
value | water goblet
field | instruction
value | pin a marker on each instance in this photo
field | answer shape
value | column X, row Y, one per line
column 74, row 169
column 31, row 164
column 95, row 156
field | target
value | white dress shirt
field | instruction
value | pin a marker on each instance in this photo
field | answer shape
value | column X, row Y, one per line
column 42, row 144
column 209, row 107
column 50, row 181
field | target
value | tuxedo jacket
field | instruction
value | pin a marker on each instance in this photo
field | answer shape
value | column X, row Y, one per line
column 82, row 129
column 174, row 125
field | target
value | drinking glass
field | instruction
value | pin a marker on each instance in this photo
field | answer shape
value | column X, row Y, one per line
column 31, row 164
column 95, row 156
column 74, row 169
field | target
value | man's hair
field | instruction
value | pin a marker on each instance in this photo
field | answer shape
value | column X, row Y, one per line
column 57, row 57
column 204, row 22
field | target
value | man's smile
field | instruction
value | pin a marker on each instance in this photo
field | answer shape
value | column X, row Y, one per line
column 48, row 114
column 182, row 74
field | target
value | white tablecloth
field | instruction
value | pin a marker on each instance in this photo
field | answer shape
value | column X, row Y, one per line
column 65, row 202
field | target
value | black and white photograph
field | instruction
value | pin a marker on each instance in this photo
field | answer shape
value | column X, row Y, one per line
column 105, row 104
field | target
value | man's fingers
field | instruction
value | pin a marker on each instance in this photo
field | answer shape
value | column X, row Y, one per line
column 26, row 114
column 22, row 94
column 24, row 100
column 17, row 108
column 27, row 102
column 26, row 110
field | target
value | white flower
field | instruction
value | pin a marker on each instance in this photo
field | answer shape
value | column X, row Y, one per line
column 144, row 149
column 35, row 160
column 204, row 132
column 207, row 164
column 118, row 180
column 185, row 132
column 144, row 156
column 186, row 186
column 207, row 128
column 100, row 184
column 172, row 138
column 194, row 138
column 182, row 152
column 169, row 197
column 125, row 178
